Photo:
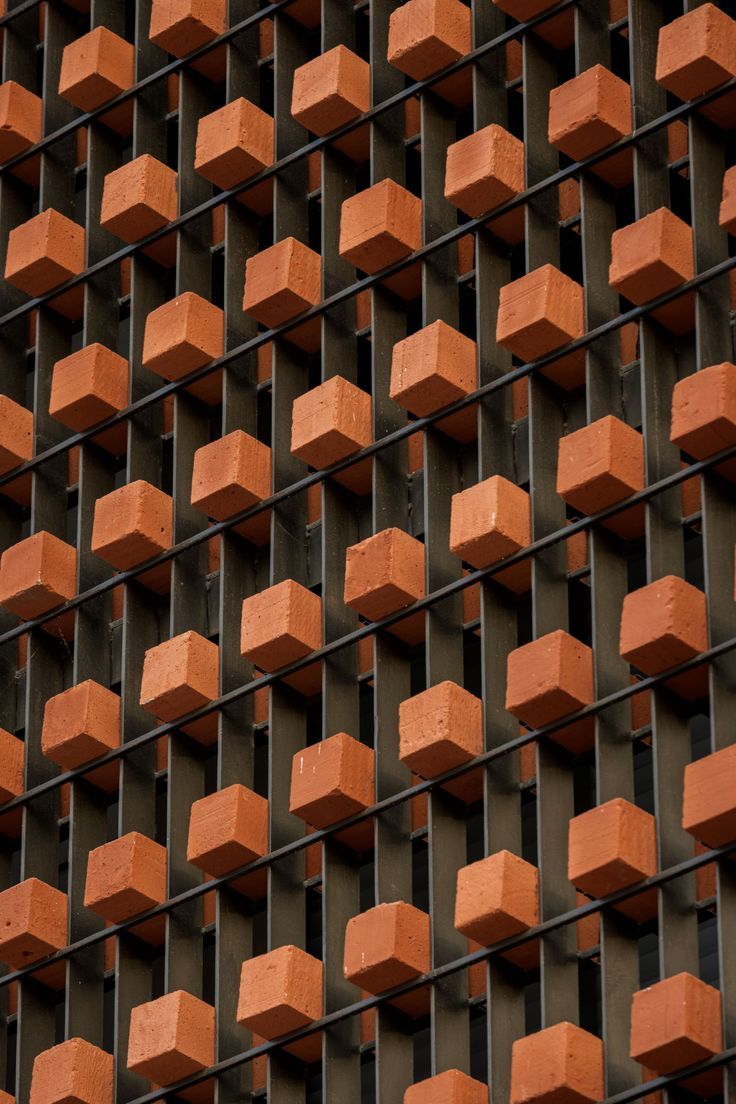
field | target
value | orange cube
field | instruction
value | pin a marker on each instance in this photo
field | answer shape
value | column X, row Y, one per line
column 696, row 52
column 228, row 829
column 171, row 1038
column 600, row 465
column 385, row 573
column 89, row 386
column 588, row 113
column 330, row 423
column 179, row 676
column 727, row 210
column 131, row 525
column 16, row 446
column 675, row 1023
column 230, row 475
column 281, row 625
column 539, row 313
column 483, row 171
column 425, row 36
column 496, row 898
column 180, row 26
column 379, row 226
column 80, row 725
column 650, row 257
column 95, row 68
column 610, row 847
column 432, row 368
column 33, row 922
column 139, row 198
column 548, row 679
column 37, row 574
column 12, row 761
column 20, row 119
column 490, row 521
column 234, row 143
column 280, row 992
column 709, row 797
column 439, row 729
column 43, row 253
column 451, row 1087
column 330, row 90
column 332, row 780
column 125, row 877
column 386, row 946
column 280, row 283
column 184, row 334
column 560, row 1065
column 663, row 624
column 74, row 1071
column 704, row 414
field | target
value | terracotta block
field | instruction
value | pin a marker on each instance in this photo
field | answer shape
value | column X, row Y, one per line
column 549, row 678
column 588, row 113
column 6, row 1098
column 180, row 26
column 483, row 171
column 16, row 446
column 94, row 69
column 131, row 525
column 234, row 143
column 383, row 574
column 613, row 846
column 228, row 829
column 652, row 256
column 138, row 198
column 560, row 1065
column 230, row 475
column 331, row 90
column 704, row 414
column 425, row 36
column 490, row 521
column 496, row 898
column 696, row 52
column 331, row 422
column 125, row 877
column 386, row 946
column 12, row 760
column 675, row 1023
column 20, row 119
column 282, row 282
column 81, row 724
column 379, row 226
column 183, row 334
column 280, row 992
column 709, row 798
column 439, row 729
column 74, row 1072
column 280, row 625
column 33, row 922
column 432, row 368
column 171, row 1038
column 179, row 676
column 37, row 574
column 600, row 465
column 89, row 386
column 727, row 211
column 664, row 624
column 450, row 1087
column 539, row 313
column 44, row 252
column 332, row 780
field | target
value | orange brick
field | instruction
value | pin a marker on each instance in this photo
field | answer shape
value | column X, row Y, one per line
column 280, row 992
column 179, row 676
column 549, row 678
column 539, row 313
column 74, row 1071
column 184, row 334
column 490, row 521
column 230, row 475
column 600, row 465
column 496, row 898
column 561, row 1064
column 331, row 90
column 331, row 780
column 171, row 1038
column 613, row 846
column 280, row 283
column 432, row 368
column 709, row 798
column 330, row 423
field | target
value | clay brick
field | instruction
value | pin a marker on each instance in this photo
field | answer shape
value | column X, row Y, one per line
column 451, row 1087
column 709, row 798
column 183, row 334
column 94, row 69
column 44, row 252
column 171, row 1038
column 81, row 724
column 439, row 729
column 600, row 465
column 89, row 386
column 282, row 282
column 331, row 422
column 561, row 1064
column 12, row 760
column 549, row 678
column 696, row 52
column 137, row 199
column 610, row 847
column 179, row 676
column 483, row 171
column 125, row 877
column 37, row 574
column 234, row 143
column 675, row 1023
column 432, row 368
column 16, row 446
column 384, row 573
column 280, row 992
column 330, row 90
column 20, row 119
column 664, row 624
column 727, row 210
column 33, row 922
column 588, row 113
column 228, row 829
column 331, row 780
column 6, row 1098
column 386, row 946
column 74, row 1072
column 704, row 414
column 539, row 313
column 180, row 26
column 230, row 475
column 425, row 36
column 379, row 226
column 132, row 524
column 281, row 625
column 651, row 256
column 490, row 521
column 496, row 898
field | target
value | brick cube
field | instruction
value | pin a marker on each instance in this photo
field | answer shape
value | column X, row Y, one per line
column 281, row 625
column 549, row 678
column 179, row 676
column 379, row 226
column 171, row 1038
column 37, row 574
column 490, row 521
column 125, row 877
column 600, row 465
column 184, row 334
column 235, row 143
column 675, row 1022
column 281, row 991
column 386, row 946
column 89, row 386
column 80, row 725
column 483, row 171
column 385, row 573
column 709, row 798
column 496, row 898
column 727, row 210
column 439, row 729
column 44, row 252
column 539, row 313
column 228, row 829
column 12, row 761
column 282, row 282
column 33, row 922
column 332, row 780
column 425, row 36
column 704, row 414
column 330, row 423
column 74, row 1072
column 132, row 524
column 663, row 624
column 137, row 199
column 230, row 475
column 20, row 119
column 95, row 68
column 451, row 1087
column 432, row 368
column 650, row 257
column 330, row 90
column 562, row 1064
column 696, row 52
column 588, row 113
column 16, row 446
column 610, row 847
column 180, row 26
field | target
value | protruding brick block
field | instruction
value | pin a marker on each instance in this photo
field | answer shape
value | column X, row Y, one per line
column 74, row 1072
column 560, row 1065
column 388, row 945
column 704, row 414
column 709, row 798
column 89, row 386
column 663, row 624
column 80, row 725
column 650, row 257
column 330, row 90
column 280, row 625
column 235, row 143
column 131, row 525
column 33, row 922
column 425, row 36
column 439, row 729
column 230, row 475
column 539, row 313
column 94, row 69
column 385, row 573
column 548, row 679
column 228, row 829
column 588, row 113
column 330, row 423
column 180, row 26
column 282, row 282
column 280, row 992
column 490, row 521
column 183, row 334
column 137, row 199
column 20, row 119
column 496, row 898
column 171, row 1038
column 675, row 1023
column 332, row 780
column 483, row 171
column 610, row 847
column 600, row 465
column 451, row 1087
column 727, row 210
column 12, row 759
column 125, row 877
column 696, row 53
column 36, row 575
column 43, row 253
column 379, row 226
column 179, row 676
column 432, row 368
column 16, row 446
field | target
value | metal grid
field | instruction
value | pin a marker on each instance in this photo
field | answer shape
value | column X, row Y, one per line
column 202, row 953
